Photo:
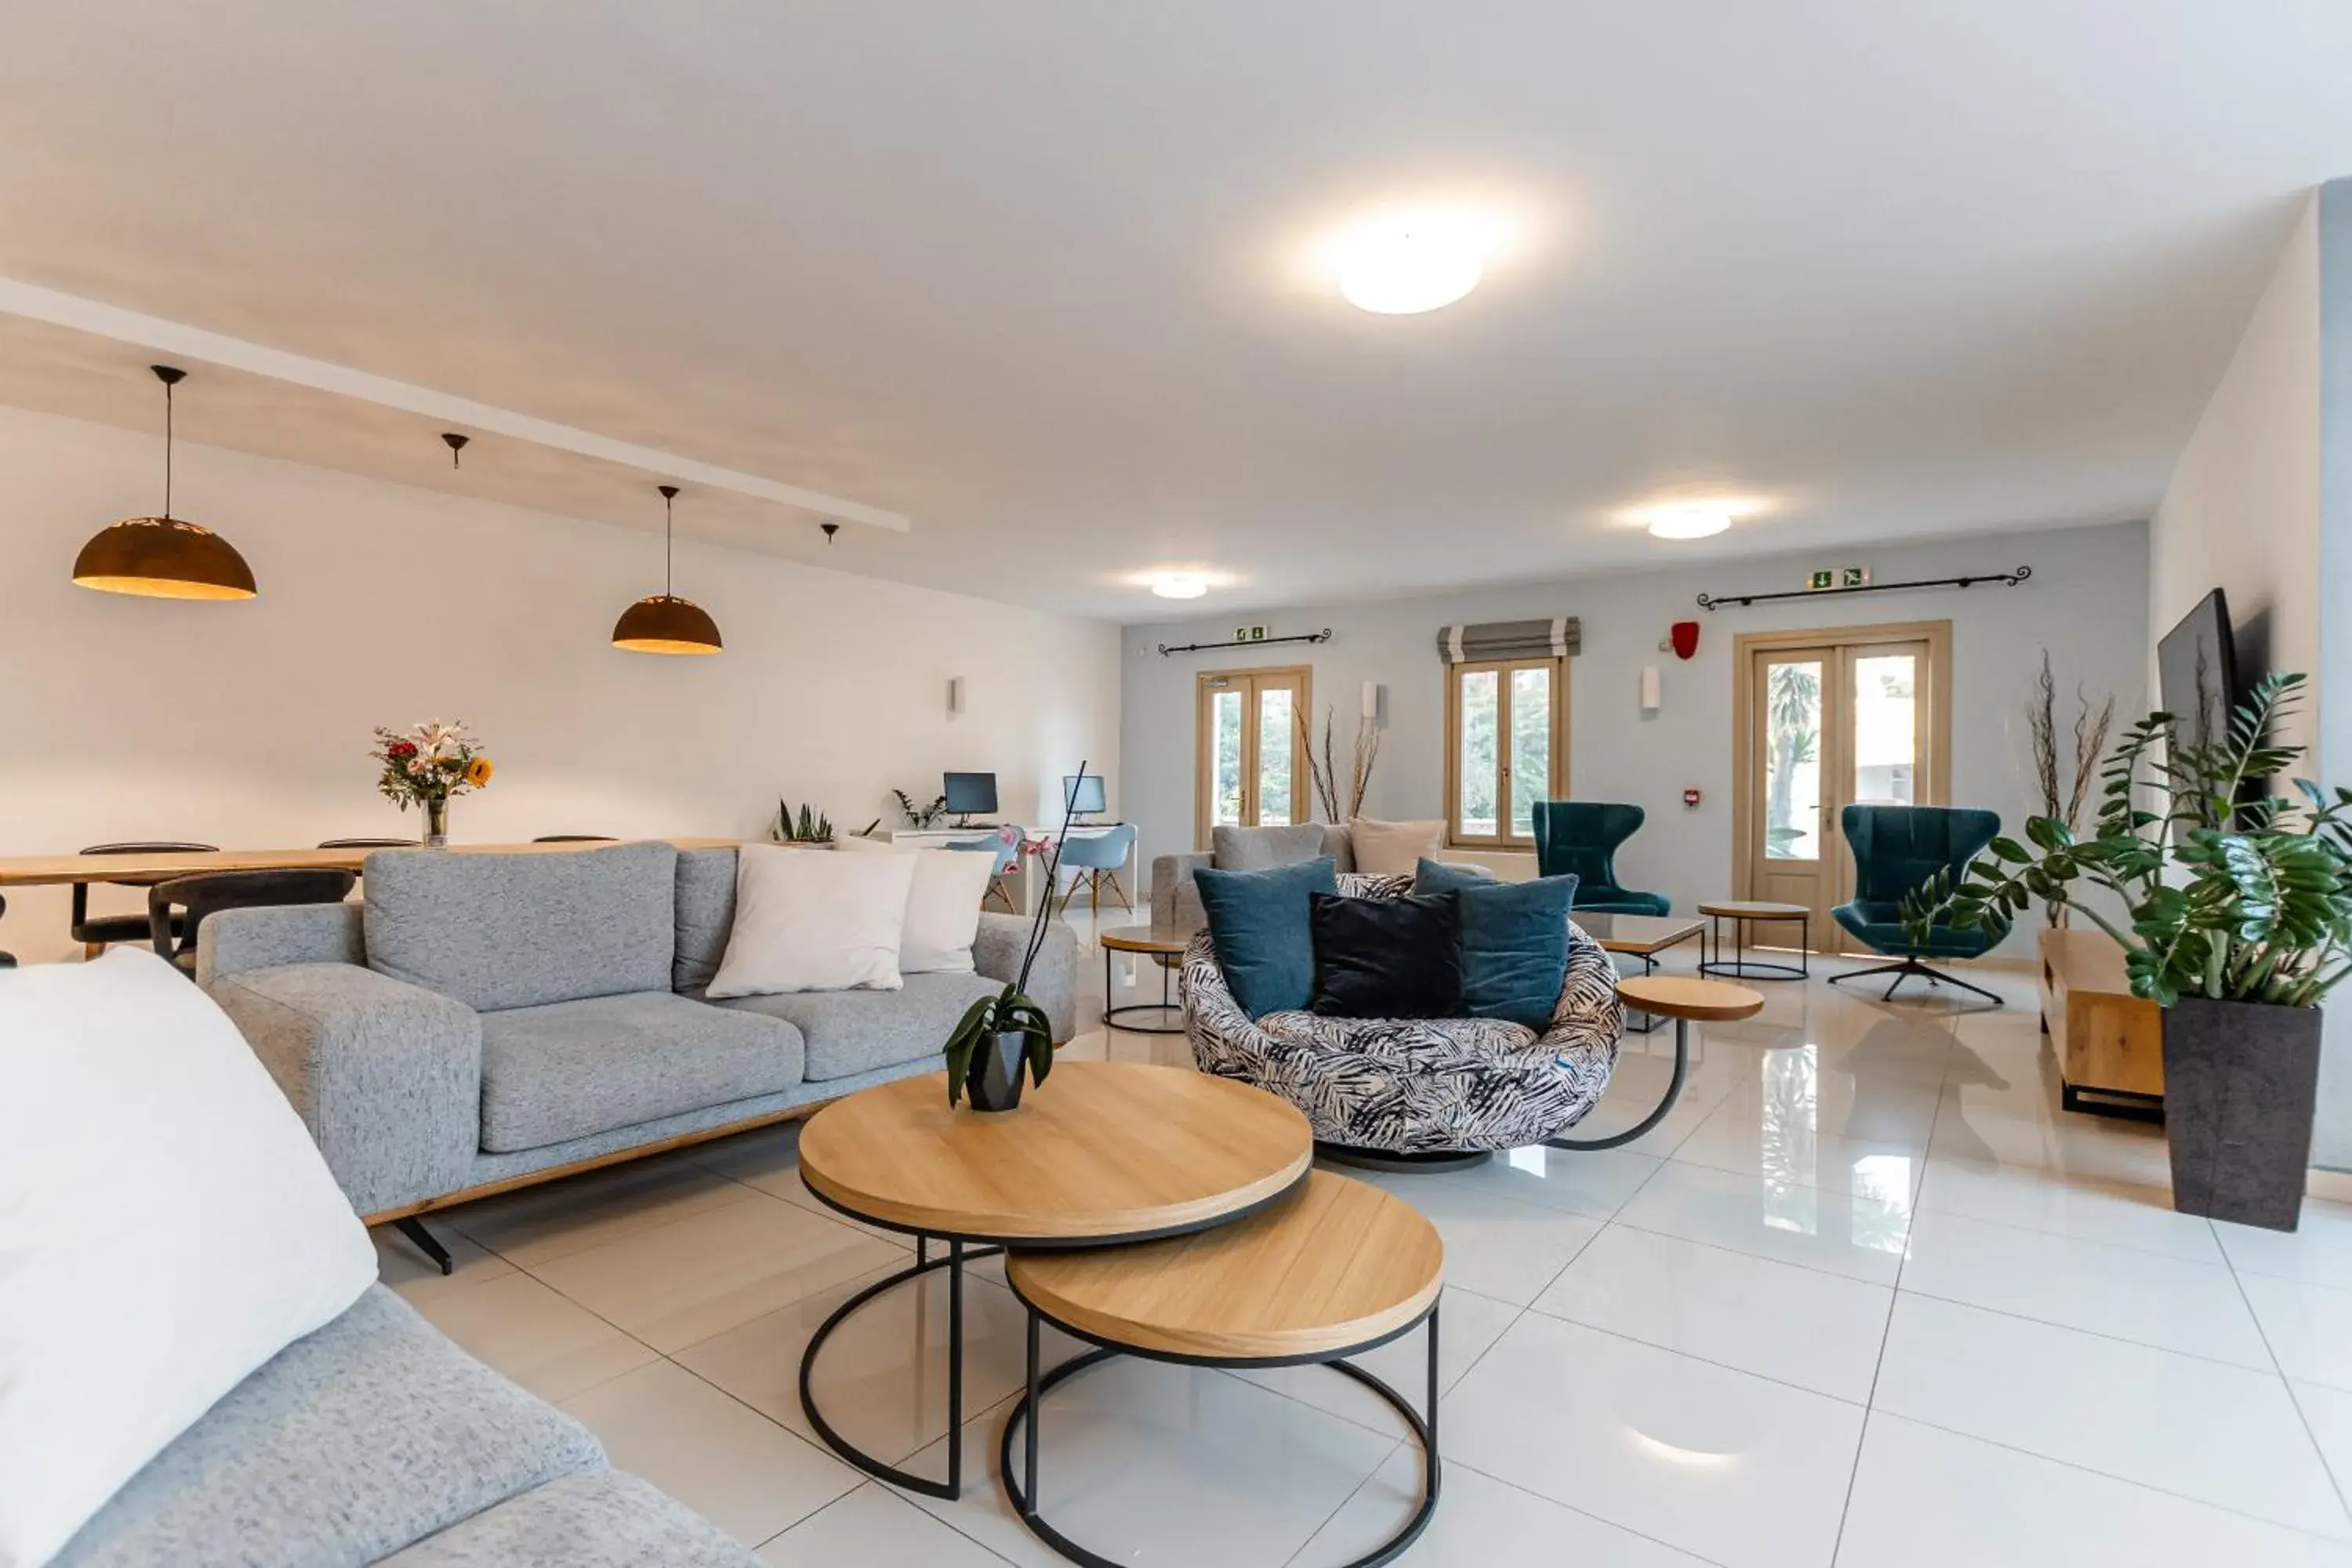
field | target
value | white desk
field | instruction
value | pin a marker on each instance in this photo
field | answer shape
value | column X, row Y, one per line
column 1031, row 876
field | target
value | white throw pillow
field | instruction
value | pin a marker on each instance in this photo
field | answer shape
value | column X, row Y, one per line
column 943, row 910
column 943, row 906
column 167, row 1225
column 814, row 919
column 1393, row 849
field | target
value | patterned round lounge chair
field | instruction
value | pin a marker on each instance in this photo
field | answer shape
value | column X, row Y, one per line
column 1420, row 1092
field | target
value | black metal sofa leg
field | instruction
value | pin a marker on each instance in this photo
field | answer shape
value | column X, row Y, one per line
column 414, row 1228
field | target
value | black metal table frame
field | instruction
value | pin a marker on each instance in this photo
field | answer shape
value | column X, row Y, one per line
column 1164, row 1007
column 1024, row 1415
column 962, row 1250
column 1741, row 966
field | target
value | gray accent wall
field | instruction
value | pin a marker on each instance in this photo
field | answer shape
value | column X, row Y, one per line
column 2087, row 603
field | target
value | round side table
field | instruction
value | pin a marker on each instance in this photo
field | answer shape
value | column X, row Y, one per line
column 1167, row 947
column 1743, row 913
column 1338, row 1268
column 1685, row 1001
column 1099, row 1154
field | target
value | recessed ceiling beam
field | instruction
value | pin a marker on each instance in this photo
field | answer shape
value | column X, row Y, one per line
column 175, row 338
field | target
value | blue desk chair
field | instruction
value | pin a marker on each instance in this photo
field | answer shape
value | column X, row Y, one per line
column 1896, row 848
column 1582, row 836
column 1096, row 859
column 1005, row 845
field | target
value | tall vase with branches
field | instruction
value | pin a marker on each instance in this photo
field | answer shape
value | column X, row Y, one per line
column 1323, row 766
column 2063, row 797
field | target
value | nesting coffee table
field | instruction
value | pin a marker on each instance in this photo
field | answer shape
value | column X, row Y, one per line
column 1743, row 913
column 1100, row 1154
column 1642, row 937
column 1334, row 1269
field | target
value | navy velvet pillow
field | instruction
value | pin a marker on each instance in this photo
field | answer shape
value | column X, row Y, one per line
column 1514, row 941
column 1387, row 958
column 1258, row 924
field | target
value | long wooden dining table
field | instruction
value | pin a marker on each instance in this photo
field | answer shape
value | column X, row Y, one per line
column 52, row 870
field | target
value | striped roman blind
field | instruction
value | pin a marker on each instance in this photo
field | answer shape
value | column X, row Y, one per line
column 1475, row 644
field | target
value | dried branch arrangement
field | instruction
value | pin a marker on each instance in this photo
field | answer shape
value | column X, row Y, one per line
column 1323, row 766
column 2065, row 796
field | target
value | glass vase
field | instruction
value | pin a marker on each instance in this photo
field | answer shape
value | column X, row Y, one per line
column 436, row 823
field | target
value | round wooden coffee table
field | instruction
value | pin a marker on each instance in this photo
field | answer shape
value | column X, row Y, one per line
column 1100, row 1153
column 1167, row 946
column 1686, row 1001
column 1743, row 913
column 1333, row 1270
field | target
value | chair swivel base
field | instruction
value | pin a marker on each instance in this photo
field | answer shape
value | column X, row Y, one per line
column 1904, row 969
column 1428, row 1161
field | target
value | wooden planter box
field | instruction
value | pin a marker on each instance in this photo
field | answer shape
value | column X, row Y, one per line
column 2110, row 1043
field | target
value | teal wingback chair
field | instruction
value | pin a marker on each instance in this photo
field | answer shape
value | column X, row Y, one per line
column 1582, row 836
column 1896, row 848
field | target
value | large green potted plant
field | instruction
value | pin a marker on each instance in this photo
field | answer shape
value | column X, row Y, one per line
column 2233, row 908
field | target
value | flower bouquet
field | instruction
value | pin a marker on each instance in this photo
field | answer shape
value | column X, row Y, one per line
column 424, row 766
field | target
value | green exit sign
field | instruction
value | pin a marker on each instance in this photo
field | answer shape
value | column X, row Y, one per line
column 1249, row 634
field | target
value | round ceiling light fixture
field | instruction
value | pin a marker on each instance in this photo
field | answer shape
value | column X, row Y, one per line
column 1180, row 586
column 163, row 557
column 1690, row 522
column 664, row 623
column 1406, row 265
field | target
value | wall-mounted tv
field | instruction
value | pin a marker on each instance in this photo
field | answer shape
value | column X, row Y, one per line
column 2197, row 672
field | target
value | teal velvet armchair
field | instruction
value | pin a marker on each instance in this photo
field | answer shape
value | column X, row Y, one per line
column 1896, row 848
column 1582, row 836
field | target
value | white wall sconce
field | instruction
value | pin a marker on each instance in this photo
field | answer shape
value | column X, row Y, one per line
column 955, row 694
column 1652, row 689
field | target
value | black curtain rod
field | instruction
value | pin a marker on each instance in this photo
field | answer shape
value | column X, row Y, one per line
column 2005, row 579
column 1323, row 636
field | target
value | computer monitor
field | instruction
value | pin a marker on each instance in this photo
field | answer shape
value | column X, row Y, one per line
column 971, row 793
column 1084, row 796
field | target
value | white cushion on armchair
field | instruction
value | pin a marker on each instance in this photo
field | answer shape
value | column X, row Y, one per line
column 167, row 1225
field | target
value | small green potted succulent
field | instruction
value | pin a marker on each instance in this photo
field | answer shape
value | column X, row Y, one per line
column 2234, row 912
column 1000, row 1036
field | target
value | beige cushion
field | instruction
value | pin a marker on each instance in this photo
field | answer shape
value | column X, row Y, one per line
column 1393, row 849
column 943, row 906
column 813, row 920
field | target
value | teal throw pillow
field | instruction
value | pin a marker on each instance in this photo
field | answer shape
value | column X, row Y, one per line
column 1258, row 924
column 1513, row 939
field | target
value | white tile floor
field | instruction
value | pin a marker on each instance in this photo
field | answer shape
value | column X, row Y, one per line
column 1866, row 1298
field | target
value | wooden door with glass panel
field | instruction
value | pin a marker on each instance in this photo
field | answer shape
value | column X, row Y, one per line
column 1250, row 774
column 1830, row 725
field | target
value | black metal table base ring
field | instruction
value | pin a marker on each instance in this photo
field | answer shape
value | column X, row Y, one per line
column 1022, row 1494
column 1164, row 1006
column 960, row 1250
column 1741, row 966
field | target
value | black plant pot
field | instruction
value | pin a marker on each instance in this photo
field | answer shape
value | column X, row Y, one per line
column 2241, row 1082
column 997, row 1065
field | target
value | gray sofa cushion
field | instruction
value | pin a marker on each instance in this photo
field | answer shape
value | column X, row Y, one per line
column 706, row 913
column 517, row 930
column 857, row 1031
column 348, row 1445
column 584, row 1521
column 571, row 1069
column 1264, row 848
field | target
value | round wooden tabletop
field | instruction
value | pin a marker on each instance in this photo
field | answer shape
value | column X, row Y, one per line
column 1098, row 1151
column 1754, row 910
column 1337, row 1265
column 1144, row 939
column 1680, row 997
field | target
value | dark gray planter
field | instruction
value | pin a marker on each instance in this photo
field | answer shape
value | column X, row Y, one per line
column 2240, row 1080
column 998, row 1065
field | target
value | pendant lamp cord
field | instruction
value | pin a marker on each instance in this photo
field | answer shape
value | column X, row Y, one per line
column 167, row 451
column 668, row 517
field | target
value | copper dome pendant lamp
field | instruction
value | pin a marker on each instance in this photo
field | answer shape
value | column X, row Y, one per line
column 664, row 623
column 163, row 557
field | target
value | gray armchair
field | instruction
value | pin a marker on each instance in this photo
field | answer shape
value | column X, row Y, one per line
column 1176, row 902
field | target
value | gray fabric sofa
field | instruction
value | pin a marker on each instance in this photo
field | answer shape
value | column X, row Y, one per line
column 485, row 1019
column 1176, row 899
column 376, row 1440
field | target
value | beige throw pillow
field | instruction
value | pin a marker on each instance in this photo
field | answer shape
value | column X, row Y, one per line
column 813, row 920
column 1393, row 849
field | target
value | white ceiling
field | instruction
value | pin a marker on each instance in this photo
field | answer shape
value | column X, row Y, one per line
column 1034, row 272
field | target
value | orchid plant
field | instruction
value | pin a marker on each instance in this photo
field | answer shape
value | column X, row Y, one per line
column 1013, row 1010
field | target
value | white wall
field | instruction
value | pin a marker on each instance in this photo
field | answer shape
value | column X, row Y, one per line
column 2087, row 603
column 2241, row 512
column 248, row 724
